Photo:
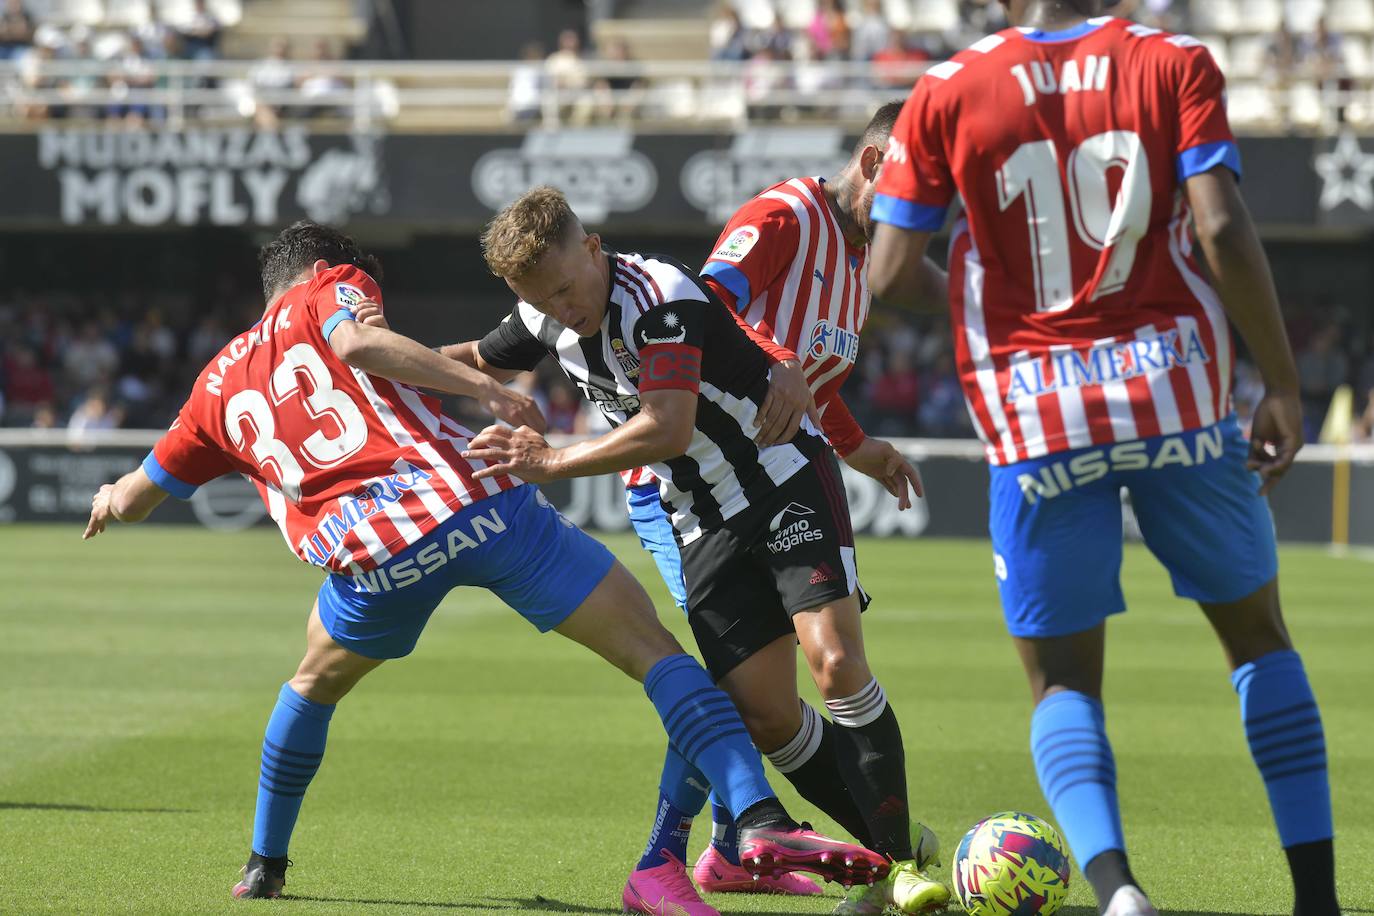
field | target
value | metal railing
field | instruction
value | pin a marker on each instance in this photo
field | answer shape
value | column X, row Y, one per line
column 492, row 94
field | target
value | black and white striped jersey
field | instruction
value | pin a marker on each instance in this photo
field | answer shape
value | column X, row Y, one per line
column 659, row 306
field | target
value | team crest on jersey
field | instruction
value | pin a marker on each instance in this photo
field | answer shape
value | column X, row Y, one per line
column 737, row 244
column 348, row 296
column 628, row 362
column 829, row 340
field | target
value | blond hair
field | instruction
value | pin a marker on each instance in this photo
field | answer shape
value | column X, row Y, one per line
column 518, row 236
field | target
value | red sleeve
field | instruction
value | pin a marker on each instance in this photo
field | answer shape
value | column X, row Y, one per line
column 775, row 351
column 916, row 185
column 336, row 292
column 756, row 246
column 184, row 458
column 841, row 428
column 670, row 337
column 1204, row 134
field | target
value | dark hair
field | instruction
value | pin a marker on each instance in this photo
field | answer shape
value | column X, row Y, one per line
column 880, row 126
column 300, row 245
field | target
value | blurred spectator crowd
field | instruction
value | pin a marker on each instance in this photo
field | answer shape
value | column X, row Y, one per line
column 127, row 53
column 74, row 364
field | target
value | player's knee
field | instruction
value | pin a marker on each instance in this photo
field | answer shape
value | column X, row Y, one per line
column 771, row 727
column 839, row 670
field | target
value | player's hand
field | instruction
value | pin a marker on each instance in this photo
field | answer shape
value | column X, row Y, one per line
column 789, row 399
column 881, row 461
column 1275, row 437
column 510, row 406
column 100, row 512
column 522, row 452
column 370, row 313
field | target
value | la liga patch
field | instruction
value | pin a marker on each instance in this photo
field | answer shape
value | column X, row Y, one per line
column 737, row 244
column 347, row 295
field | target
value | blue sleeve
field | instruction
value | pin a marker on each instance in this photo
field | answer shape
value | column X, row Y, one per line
column 1208, row 156
column 158, row 475
column 732, row 278
column 333, row 320
column 906, row 214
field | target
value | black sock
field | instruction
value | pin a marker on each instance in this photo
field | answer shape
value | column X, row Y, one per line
column 868, row 749
column 1108, row 872
column 808, row 761
column 1314, row 878
column 767, row 813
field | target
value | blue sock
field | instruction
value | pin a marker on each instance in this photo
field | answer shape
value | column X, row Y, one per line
column 681, row 793
column 703, row 725
column 1077, row 772
column 724, row 835
column 1284, row 729
column 291, row 753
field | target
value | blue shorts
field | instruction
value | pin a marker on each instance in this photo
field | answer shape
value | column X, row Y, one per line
column 655, row 532
column 1056, row 525
column 515, row 544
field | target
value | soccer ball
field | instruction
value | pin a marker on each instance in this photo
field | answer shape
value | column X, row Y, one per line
column 1011, row 864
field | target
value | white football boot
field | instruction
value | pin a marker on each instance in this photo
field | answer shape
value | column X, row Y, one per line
column 1129, row 901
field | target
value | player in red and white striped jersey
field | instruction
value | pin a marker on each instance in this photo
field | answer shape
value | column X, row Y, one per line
column 364, row 475
column 1090, row 152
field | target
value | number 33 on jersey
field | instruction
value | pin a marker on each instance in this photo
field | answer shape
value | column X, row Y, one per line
column 353, row 468
column 1080, row 315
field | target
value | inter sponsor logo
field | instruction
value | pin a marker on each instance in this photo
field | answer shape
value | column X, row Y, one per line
column 1186, row 450
column 828, row 340
column 432, row 556
column 1032, row 376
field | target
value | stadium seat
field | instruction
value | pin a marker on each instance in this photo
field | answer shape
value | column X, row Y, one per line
column 1352, row 15
column 898, row 13
column 1260, row 15
column 934, row 15
column 72, row 12
column 1306, row 106
column 1357, row 58
column 1215, row 16
column 755, row 14
column 1250, row 104
column 128, row 12
column 1303, row 14
column 796, row 14
column 1248, row 54
column 1221, row 52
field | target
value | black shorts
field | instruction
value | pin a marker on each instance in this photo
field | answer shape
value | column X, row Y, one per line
column 748, row 577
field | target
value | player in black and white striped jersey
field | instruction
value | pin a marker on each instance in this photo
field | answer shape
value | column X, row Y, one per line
column 766, row 543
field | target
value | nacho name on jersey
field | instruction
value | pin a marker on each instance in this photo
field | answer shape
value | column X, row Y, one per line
column 240, row 346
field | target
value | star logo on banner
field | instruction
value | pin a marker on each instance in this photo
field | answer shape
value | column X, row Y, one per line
column 1347, row 174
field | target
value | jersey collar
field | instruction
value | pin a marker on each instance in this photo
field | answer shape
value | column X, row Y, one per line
column 1078, row 31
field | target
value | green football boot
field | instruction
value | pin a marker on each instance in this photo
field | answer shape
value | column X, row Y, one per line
column 907, row 888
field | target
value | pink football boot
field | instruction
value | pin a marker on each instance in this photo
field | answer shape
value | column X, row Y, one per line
column 715, row 875
column 769, row 851
column 664, row 890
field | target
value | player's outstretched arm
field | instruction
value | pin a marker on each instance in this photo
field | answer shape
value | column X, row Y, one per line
column 381, row 352
column 128, row 499
column 662, row 429
column 1240, row 273
column 901, row 274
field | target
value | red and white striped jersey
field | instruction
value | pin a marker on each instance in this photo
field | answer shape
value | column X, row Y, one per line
column 353, row 468
column 1079, row 311
column 639, row 477
column 782, row 262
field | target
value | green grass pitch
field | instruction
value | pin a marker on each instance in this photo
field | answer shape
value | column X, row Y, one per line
column 499, row 770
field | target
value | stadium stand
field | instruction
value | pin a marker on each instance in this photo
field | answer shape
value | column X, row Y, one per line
column 1292, row 64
